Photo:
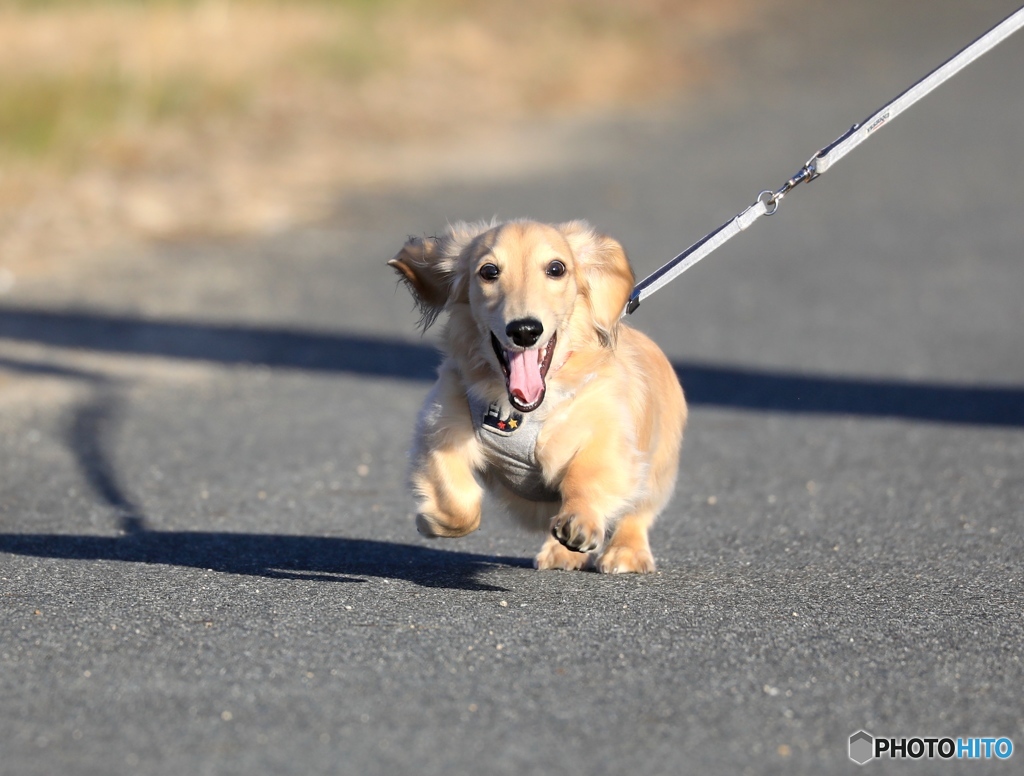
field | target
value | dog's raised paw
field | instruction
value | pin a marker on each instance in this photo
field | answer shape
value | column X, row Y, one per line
column 433, row 528
column 625, row 560
column 554, row 556
column 577, row 533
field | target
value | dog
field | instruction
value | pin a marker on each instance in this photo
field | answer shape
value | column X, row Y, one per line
column 544, row 397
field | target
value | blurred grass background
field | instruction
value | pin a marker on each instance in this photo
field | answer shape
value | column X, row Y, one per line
column 127, row 120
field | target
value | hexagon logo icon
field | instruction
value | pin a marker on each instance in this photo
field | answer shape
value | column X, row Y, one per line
column 862, row 747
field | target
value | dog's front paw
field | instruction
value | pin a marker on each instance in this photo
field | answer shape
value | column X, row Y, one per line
column 433, row 527
column 554, row 556
column 578, row 532
column 620, row 559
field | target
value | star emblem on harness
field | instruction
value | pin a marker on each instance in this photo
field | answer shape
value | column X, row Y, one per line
column 494, row 422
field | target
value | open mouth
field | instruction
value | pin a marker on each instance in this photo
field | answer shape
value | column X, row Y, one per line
column 525, row 371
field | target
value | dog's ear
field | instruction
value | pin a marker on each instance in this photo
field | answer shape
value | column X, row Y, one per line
column 433, row 267
column 427, row 272
column 604, row 275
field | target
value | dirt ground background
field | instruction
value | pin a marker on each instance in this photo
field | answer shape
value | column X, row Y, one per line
column 131, row 121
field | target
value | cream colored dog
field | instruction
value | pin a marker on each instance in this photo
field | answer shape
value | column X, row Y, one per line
column 567, row 415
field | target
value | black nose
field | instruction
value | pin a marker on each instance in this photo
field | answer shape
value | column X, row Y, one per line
column 525, row 332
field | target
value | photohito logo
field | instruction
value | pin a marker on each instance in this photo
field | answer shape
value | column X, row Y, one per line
column 865, row 747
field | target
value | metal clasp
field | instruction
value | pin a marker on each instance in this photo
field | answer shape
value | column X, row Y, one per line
column 771, row 200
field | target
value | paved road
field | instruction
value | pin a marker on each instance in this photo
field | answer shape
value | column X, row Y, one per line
column 208, row 566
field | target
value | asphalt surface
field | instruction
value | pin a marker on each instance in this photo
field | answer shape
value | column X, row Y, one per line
column 208, row 564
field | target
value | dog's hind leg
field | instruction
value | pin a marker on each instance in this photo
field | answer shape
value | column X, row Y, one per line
column 628, row 549
column 553, row 555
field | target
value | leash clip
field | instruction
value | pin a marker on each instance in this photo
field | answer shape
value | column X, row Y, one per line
column 771, row 199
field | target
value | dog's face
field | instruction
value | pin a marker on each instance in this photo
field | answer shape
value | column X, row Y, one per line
column 523, row 296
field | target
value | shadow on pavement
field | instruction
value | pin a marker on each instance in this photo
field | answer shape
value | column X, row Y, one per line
column 90, row 428
column 274, row 556
column 222, row 343
column 705, row 384
column 89, row 432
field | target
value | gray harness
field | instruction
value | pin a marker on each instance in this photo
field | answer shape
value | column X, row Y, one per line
column 509, row 441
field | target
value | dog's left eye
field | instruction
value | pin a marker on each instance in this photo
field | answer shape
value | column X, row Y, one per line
column 555, row 269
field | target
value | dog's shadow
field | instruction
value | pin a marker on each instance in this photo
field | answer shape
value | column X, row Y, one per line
column 273, row 556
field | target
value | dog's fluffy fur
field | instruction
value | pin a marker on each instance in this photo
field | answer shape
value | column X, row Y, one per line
column 611, row 408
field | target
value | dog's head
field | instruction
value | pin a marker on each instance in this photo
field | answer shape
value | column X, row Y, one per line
column 522, row 296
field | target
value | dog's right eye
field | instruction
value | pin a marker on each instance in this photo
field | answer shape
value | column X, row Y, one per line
column 490, row 272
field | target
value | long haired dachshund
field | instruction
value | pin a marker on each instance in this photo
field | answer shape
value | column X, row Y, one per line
column 545, row 398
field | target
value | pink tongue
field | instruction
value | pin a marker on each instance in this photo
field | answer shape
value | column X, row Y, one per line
column 524, row 378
